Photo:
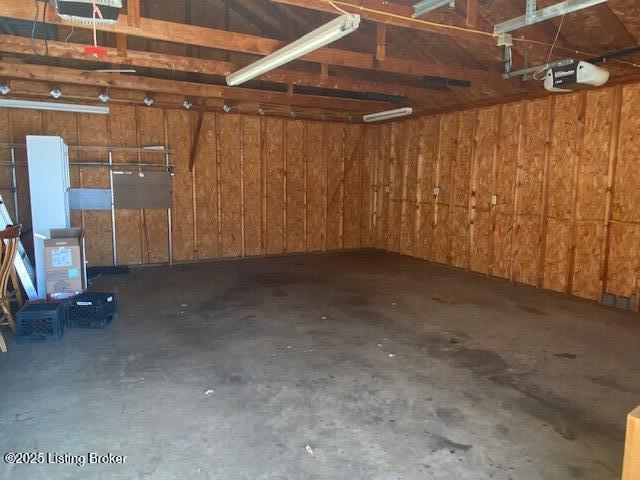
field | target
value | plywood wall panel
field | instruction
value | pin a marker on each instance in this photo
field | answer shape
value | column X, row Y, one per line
column 592, row 191
column 511, row 130
column 447, row 151
column 383, row 149
column 6, row 174
column 595, row 155
column 252, row 185
column 155, row 233
column 530, row 192
column 409, row 187
column 230, row 176
column 428, row 134
column 207, row 189
column 92, row 130
column 624, row 254
column 274, row 161
column 336, row 156
column 624, row 258
column 122, row 126
column 23, row 123
column 586, row 273
column 178, row 133
column 482, row 188
column 368, row 188
column 398, row 139
column 295, row 209
column 460, row 190
column 627, row 193
column 316, row 187
column 564, row 158
column 354, row 135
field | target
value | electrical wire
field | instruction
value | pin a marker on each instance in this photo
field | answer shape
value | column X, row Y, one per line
column 442, row 26
column 555, row 40
column 33, row 31
column 542, row 72
column 70, row 34
column 338, row 8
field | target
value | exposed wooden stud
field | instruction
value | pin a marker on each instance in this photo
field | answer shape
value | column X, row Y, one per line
column 133, row 13
column 324, row 71
column 196, row 142
column 473, row 200
column 611, row 175
column 435, row 183
column 544, row 218
column 451, row 193
column 381, row 40
column 576, row 190
column 472, row 13
column 121, row 44
column 516, row 186
column 242, row 203
column 216, row 126
column 492, row 211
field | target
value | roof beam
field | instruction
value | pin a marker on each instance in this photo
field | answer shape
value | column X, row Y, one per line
column 472, row 13
column 395, row 14
column 73, row 51
column 133, row 13
column 132, row 82
column 240, row 42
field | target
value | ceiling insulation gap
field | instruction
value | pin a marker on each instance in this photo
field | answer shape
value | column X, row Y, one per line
column 445, row 82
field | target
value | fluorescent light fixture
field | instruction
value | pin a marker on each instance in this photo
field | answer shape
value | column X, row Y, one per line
column 377, row 117
column 330, row 32
column 60, row 107
column 427, row 6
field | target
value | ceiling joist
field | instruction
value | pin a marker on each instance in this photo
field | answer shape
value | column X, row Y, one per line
column 245, row 43
column 123, row 57
column 146, row 84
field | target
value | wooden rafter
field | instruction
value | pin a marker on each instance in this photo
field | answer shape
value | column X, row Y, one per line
column 72, row 51
column 239, row 42
column 146, row 84
column 133, row 13
column 395, row 14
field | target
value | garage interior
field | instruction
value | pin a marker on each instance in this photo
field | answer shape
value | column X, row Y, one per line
column 449, row 290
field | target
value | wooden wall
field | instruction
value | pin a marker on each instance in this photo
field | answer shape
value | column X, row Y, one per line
column 260, row 186
column 565, row 173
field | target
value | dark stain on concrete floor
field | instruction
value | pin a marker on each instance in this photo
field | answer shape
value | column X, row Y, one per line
column 386, row 367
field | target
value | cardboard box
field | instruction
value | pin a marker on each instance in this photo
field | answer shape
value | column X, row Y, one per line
column 64, row 261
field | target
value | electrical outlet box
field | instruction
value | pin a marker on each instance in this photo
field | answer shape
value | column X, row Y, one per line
column 436, row 191
column 386, row 189
column 495, row 199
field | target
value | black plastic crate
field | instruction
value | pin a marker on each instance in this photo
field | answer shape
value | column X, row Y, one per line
column 91, row 310
column 40, row 322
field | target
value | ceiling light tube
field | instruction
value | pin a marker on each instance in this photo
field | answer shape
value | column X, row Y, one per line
column 378, row 117
column 328, row 33
column 60, row 107
column 427, row 6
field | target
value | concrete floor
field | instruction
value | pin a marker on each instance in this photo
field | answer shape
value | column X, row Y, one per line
column 388, row 368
